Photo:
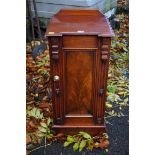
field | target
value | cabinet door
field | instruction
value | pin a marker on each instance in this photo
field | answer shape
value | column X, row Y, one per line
column 79, row 70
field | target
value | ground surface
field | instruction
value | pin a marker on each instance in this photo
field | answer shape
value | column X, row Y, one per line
column 118, row 134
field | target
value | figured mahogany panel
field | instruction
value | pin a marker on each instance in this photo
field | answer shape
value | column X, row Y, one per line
column 79, row 76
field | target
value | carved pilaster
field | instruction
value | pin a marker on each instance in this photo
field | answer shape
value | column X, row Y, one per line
column 104, row 49
column 100, row 120
column 55, row 49
column 59, row 121
column 56, row 59
column 104, row 53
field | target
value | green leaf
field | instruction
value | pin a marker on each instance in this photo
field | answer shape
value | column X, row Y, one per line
column 48, row 130
column 43, row 125
column 82, row 145
column 85, row 134
column 66, row 144
column 41, row 116
column 113, row 97
column 109, row 106
column 41, row 134
column 29, row 113
column 33, row 112
column 48, row 121
column 125, row 49
column 76, row 146
column 112, row 89
column 42, row 129
column 37, row 113
column 49, row 135
column 126, row 100
column 90, row 141
column 70, row 138
column 90, row 147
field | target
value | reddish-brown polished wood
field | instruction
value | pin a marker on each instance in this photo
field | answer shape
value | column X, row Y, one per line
column 79, row 43
column 79, row 67
column 79, row 21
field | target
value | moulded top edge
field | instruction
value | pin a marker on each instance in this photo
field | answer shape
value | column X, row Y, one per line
column 75, row 33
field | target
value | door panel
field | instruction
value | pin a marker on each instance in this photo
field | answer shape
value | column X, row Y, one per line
column 79, row 81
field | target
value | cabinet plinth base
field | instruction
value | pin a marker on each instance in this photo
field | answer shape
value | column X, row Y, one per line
column 73, row 126
column 71, row 130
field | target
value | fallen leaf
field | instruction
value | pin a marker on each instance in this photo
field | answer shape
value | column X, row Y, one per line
column 104, row 143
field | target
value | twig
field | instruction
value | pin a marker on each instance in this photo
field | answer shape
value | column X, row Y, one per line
column 107, row 122
column 116, row 116
column 45, row 146
column 40, row 147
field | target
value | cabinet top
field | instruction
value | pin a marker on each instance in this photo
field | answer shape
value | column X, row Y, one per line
column 79, row 22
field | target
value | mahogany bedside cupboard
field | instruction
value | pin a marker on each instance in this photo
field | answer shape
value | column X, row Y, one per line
column 79, row 46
